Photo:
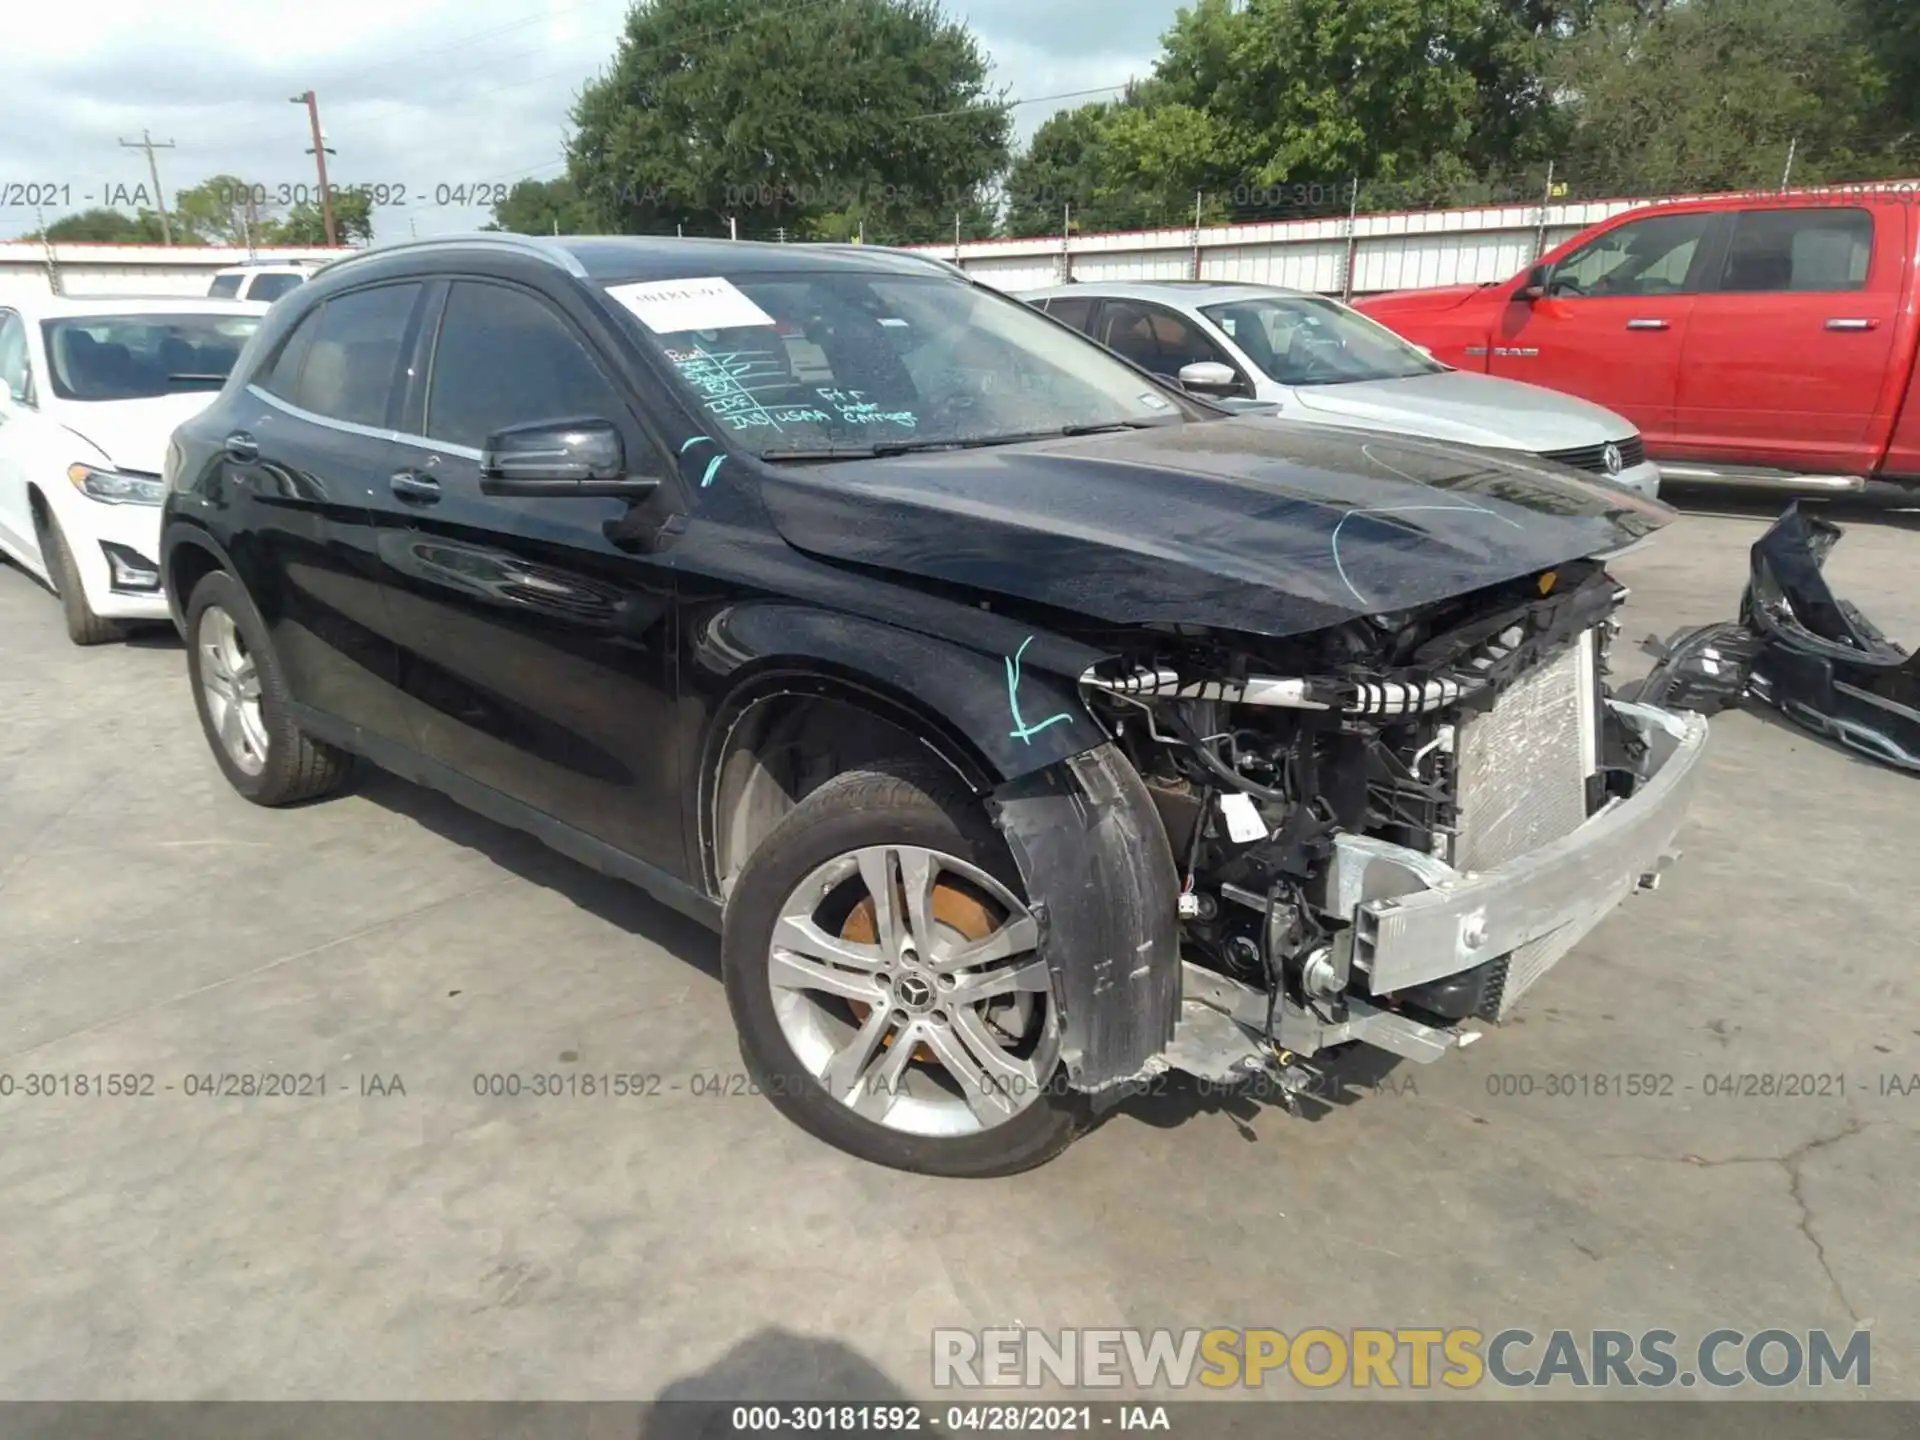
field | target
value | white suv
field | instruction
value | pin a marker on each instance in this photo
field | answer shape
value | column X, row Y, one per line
column 265, row 280
column 90, row 391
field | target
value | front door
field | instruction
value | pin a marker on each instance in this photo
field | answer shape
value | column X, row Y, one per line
column 536, row 648
column 1614, row 320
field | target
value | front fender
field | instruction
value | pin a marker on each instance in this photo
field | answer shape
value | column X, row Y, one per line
column 1101, row 881
column 1010, row 703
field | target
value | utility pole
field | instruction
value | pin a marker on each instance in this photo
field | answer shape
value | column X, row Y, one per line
column 1066, row 242
column 319, row 153
column 147, row 143
column 251, row 223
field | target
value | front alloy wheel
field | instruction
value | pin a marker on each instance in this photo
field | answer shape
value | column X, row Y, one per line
column 887, row 980
column 925, row 1008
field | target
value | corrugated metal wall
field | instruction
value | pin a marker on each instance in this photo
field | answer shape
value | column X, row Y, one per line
column 1405, row 251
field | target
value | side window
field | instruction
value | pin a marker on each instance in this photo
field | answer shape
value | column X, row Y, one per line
column 1181, row 341
column 282, row 377
column 1074, row 310
column 224, row 287
column 1799, row 250
column 1127, row 329
column 504, row 358
column 1648, row 257
column 15, row 373
column 271, row 287
column 353, row 359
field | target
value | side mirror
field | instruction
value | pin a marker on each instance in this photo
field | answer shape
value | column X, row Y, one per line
column 560, row 458
column 1209, row 377
column 1538, row 279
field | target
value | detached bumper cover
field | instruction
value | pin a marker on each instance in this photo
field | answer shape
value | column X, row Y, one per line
column 1535, row 908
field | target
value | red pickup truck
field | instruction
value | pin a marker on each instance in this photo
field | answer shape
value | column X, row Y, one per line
column 1752, row 339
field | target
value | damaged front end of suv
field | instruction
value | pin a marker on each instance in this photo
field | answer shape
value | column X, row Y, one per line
column 1397, row 826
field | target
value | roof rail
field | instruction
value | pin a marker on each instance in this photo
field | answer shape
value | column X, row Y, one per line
column 537, row 246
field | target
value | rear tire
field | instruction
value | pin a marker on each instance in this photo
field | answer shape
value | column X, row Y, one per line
column 83, row 626
column 898, row 1067
column 241, row 695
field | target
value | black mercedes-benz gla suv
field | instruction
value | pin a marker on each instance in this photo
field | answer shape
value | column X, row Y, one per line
column 1027, row 726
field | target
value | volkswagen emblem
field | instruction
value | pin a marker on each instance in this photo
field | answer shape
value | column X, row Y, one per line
column 914, row 992
column 1611, row 458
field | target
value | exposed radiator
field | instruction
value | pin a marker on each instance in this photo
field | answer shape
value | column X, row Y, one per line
column 1522, row 771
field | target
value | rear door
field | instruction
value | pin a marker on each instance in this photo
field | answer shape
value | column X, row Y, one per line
column 536, row 644
column 312, row 438
column 1786, row 361
column 1612, row 326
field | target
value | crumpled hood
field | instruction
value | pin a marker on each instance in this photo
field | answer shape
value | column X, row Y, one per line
column 1250, row 524
column 1467, row 409
column 1403, row 302
column 133, row 434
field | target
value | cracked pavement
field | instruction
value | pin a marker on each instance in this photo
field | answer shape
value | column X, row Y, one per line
column 439, row 1243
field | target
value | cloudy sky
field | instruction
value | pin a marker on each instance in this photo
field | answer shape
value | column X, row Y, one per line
column 431, row 95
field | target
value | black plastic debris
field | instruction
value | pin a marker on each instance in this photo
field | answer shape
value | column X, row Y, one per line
column 1813, row 657
column 1706, row 669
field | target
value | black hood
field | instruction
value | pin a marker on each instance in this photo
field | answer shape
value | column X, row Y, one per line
column 1252, row 524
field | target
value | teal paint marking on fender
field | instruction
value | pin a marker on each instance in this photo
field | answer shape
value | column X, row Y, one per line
column 712, row 465
column 1022, row 730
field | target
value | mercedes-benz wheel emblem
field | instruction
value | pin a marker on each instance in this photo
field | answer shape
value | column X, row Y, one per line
column 914, row 992
column 1610, row 457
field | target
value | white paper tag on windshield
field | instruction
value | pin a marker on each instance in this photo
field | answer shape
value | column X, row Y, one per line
column 1244, row 824
column 711, row 302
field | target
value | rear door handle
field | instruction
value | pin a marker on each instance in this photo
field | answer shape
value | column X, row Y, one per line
column 1853, row 324
column 1649, row 325
column 412, row 485
column 241, row 446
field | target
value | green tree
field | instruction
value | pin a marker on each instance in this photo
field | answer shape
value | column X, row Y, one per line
column 1712, row 94
column 216, row 211
column 834, row 113
column 104, row 226
column 545, row 207
column 305, row 224
column 1062, row 165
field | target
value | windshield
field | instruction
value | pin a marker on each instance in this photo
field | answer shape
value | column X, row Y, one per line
column 838, row 363
column 1305, row 340
column 131, row 357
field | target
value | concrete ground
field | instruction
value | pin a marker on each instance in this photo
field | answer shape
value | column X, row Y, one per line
column 437, row 1244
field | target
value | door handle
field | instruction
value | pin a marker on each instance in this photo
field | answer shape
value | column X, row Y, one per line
column 1853, row 324
column 412, row 485
column 1649, row 325
column 241, row 446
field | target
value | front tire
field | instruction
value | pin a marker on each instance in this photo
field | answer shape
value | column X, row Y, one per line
column 884, row 974
column 241, row 695
column 83, row 626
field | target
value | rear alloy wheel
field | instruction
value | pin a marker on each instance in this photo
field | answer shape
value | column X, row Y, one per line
column 242, row 700
column 888, row 984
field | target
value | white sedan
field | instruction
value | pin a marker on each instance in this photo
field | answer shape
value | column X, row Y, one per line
column 90, row 391
column 1321, row 361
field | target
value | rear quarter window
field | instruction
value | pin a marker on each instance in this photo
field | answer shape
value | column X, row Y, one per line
column 224, row 286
